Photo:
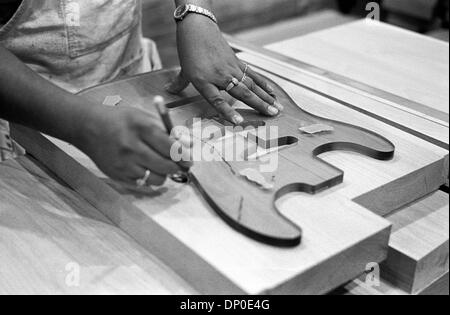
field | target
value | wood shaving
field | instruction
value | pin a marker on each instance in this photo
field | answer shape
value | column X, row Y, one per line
column 317, row 128
column 256, row 177
column 113, row 100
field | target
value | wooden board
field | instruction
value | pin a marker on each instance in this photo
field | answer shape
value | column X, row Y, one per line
column 290, row 28
column 400, row 62
column 417, row 262
column 419, row 245
column 340, row 236
column 428, row 121
column 47, row 231
column 375, row 107
column 359, row 287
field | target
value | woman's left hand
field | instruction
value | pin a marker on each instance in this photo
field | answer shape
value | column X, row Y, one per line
column 209, row 63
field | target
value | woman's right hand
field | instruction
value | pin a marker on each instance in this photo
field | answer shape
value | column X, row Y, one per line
column 125, row 143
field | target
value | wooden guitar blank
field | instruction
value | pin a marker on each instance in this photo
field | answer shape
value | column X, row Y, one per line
column 252, row 210
column 243, row 205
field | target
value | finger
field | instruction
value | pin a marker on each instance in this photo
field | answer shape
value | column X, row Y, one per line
column 151, row 160
column 178, row 84
column 228, row 98
column 261, row 82
column 155, row 137
column 244, row 94
column 137, row 172
column 252, row 86
column 157, row 142
column 264, row 88
column 212, row 94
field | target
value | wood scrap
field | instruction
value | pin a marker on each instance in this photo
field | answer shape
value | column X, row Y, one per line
column 316, row 128
column 256, row 177
column 112, row 100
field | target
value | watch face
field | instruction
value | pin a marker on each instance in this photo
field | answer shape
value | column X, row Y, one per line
column 181, row 11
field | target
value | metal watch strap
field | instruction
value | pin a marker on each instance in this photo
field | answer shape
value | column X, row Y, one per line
column 191, row 8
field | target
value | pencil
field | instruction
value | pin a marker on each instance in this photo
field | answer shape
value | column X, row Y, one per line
column 163, row 113
column 180, row 177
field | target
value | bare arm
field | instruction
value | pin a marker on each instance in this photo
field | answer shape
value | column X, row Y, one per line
column 123, row 142
column 30, row 100
column 209, row 63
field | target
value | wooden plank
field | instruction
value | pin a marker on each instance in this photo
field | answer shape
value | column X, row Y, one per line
column 290, row 28
column 419, row 245
column 360, row 287
column 440, row 287
column 340, row 237
column 418, row 252
column 403, row 63
column 385, row 111
column 47, row 231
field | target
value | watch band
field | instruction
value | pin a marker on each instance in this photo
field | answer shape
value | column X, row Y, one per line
column 184, row 10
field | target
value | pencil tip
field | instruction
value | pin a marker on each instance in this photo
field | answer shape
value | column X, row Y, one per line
column 160, row 104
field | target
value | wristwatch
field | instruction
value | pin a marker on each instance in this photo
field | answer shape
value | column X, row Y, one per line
column 184, row 10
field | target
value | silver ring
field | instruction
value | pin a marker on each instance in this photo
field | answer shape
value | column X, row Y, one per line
column 143, row 181
column 245, row 73
column 244, row 78
column 234, row 82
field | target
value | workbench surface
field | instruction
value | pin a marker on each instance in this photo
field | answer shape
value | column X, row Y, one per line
column 54, row 242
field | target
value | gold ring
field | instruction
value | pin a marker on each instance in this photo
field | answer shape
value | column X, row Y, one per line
column 143, row 181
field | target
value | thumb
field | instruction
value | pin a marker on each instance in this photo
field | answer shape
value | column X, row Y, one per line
column 177, row 85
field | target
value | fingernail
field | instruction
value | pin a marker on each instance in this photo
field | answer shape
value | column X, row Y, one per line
column 270, row 89
column 278, row 105
column 238, row 119
column 273, row 110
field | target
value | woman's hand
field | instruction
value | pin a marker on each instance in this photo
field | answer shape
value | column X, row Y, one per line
column 125, row 143
column 209, row 63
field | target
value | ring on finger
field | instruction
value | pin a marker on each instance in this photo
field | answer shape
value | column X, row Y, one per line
column 143, row 181
column 244, row 77
column 234, row 82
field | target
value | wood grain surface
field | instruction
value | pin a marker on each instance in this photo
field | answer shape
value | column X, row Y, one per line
column 359, row 287
column 395, row 91
column 419, row 245
column 48, row 233
column 340, row 236
column 391, row 59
